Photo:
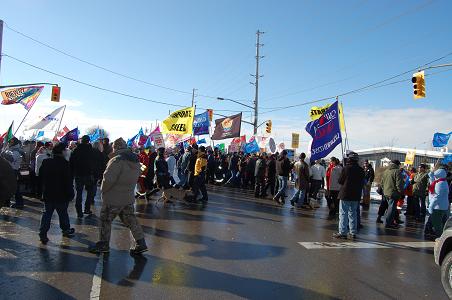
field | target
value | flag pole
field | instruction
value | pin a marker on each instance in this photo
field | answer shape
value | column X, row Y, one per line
column 342, row 140
column 61, row 120
column 347, row 146
column 20, row 124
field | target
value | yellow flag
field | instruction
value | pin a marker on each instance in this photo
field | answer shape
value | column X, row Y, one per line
column 409, row 158
column 317, row 111
column 179, row 122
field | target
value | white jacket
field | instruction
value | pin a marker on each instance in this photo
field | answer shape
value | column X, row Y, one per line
column 39, row 159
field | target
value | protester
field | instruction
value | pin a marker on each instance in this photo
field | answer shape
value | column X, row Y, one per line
column 14, row 155
column 150, row 175
column 369, row 178
column 58, row 190
column 271, row 175
column 183, row 164
column 41, row 155
column 33, row 176
column 301, row 169
column 162, row 174
column 82, row 165
column 199, row 180
column 210, row 167
column 351, row 181
column 191, row 166
column 318, row 174
column 333, row 189
column 233, row 169
column 259, row 174
column 117, row 190
column 171, row 161
column 8, row 182
column 438, row 196
column 392, row 186
column 98, row 163
column 420, row 184
column 409, row 193
column 282, row 170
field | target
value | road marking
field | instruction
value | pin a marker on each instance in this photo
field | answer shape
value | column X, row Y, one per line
column 6, row 254
column 365, row 245
column 97, row 279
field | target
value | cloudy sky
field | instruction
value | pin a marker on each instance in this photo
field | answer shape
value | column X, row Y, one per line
column 313, row 50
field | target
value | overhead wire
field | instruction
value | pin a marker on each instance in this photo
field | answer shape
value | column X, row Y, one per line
column 99, row 87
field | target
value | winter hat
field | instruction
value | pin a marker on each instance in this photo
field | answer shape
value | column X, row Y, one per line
column 353, row 156
column 85, row 139
column 396, row 162
column 58, row 148
column 119, row 144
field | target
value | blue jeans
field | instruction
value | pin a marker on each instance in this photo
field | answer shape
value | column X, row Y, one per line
column 348, row 216
column 182, row 177
column 49, row 207
column 390, row 214
column 298, row 197
column 282, row 180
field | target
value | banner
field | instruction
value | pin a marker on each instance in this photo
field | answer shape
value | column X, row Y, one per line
column 409, row 158
column 26, row 96
column 221, row 147
column 317, row 111
column 51, row 119
column 179, row 122
column 201, row 124
column 251, row 147
column 159, row 142
column 295, row 140
column 226, row 128
column 325, row 132
column 447, row 159
column 441, row 139
column 70, row 136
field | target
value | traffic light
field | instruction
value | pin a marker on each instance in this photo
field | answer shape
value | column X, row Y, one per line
column 55, row 94
column 418, row 85
column 268, row 126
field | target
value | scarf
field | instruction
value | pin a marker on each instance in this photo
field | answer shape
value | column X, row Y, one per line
column 431, row 188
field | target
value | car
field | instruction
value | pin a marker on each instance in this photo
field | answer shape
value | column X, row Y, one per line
column 443, row 256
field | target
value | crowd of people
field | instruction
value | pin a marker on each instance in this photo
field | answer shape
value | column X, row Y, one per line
column 58, row 173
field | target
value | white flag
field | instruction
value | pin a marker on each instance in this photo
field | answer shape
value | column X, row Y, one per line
column 50, row 121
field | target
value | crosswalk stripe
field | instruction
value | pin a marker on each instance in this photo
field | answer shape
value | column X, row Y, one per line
column 365, row 245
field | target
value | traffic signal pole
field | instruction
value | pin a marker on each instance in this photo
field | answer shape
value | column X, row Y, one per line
column 256, row 82
column 1, row 41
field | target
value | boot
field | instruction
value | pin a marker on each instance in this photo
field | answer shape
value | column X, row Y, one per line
column 139, row 248
column 69, row 233
column 379, row 220
column 100, row 247
column 43, row 238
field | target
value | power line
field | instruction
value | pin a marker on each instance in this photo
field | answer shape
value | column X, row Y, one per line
column 103, row 68
column 99, row 87
column 373, row 85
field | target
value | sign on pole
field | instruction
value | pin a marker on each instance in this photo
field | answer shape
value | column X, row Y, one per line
column 409, row 158
column 295, row 140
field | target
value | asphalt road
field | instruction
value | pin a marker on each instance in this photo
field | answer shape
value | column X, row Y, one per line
column 236, row 247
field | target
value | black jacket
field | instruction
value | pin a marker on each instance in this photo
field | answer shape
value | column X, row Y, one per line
column 352, row 181
column 82, row 160
column 369, row 174
column 283, row 167
column 271, row 168
column 98, row 163
column 56, row 180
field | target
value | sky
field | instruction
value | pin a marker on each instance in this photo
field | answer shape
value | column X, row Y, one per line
column 312, row 50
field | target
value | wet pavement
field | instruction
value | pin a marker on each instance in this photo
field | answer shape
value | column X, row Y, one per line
column 235, row 247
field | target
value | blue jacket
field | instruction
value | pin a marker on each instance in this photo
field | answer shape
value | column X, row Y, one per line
column 440, row 199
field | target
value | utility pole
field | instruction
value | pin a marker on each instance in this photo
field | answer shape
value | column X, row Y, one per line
column 256, row 82
column 1, row 40
column 193, row 98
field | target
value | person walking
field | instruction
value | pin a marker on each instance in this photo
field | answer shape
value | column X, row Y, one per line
column 199, row 179
column 162, row 174
column 333, row 189
column 171, row 161
column 33, row 176
column 259, row 174
column 117, row 188
column 301, row 169
column 283, row 167
column 14, row 155
column 271, row 175
column 41, row 155
column 420, row 185
column 8, row 182
column 318, row 174
column 82, row 164
column 438, row 196
column 233, row 168
column 57, row 191
column 369, row 174
column 351, row 181
column 392, row 185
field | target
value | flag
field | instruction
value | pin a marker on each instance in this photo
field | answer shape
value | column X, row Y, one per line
column 441, row 139
column 62, row 132
column 70, row 136
column 447, row 159
column 50, row 119
column 201, row 124
column 202, row 141
column 95, row 136
column 325, row 132
column 131, row 141
column 228, row 127
column 251, row 147
column 148, row 143
column 179, row 122
column 8, row 135
column 317, row 111
column 26, row 96
column 40, row 134
column 220, row 147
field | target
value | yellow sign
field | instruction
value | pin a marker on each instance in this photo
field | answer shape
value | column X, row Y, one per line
column 179, row 122
column 317, row 111
column 409, row 158
column 295, row 140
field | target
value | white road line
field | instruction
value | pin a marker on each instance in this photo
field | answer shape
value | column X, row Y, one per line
column 365, row 245
column 97, row 279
